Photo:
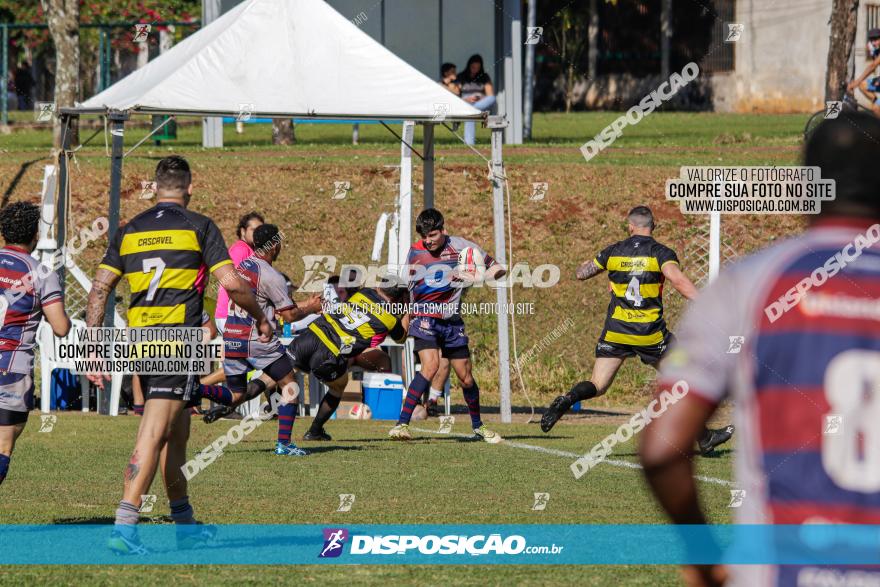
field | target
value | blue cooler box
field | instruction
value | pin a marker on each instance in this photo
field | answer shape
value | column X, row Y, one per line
column 383, row 392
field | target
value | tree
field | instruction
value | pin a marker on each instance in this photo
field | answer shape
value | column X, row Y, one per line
column 62, row 17
column 282, row 131
column 570, row 37
column 844, row 20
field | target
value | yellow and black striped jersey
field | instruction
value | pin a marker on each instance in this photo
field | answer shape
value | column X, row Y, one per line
column 166, row 254
column 635, row 314
column 361, row 322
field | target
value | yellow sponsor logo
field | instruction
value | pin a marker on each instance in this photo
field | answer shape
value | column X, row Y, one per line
column 159, row 240
column 149, row 316
column 633, row 264
column 641, row 316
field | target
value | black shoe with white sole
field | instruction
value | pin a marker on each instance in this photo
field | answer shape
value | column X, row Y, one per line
column 714, row 438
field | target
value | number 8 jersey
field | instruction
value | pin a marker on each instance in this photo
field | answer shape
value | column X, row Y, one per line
column 165, row 253
column 792, row 335
column 635, row 314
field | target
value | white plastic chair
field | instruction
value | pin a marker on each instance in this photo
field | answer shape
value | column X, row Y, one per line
column 49, row 362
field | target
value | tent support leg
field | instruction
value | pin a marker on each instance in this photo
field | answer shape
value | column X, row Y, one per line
column 117, row 131
column 428, row 175
column 404, row 233
column 497, row 124
column 61, row 201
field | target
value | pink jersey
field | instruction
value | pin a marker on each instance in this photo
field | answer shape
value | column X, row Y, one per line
column 238, row 252
column 792, row 335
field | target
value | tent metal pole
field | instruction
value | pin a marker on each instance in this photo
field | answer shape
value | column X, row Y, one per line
column 61, row 201
column 4, row 74
column 497, row 124
column 404, row 234
column 529, row 89
column 117, row 131
column 428, row 175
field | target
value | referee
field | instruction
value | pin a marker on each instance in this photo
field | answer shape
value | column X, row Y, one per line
column 165, row 254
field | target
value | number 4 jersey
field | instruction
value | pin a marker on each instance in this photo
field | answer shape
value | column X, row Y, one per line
column 635, row 314
column 165, row 254
column 792, row 334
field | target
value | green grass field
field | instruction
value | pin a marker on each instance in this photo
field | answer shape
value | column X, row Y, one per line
column 73, row 474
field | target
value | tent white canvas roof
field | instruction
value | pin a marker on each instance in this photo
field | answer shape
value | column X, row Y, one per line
column 282, row 58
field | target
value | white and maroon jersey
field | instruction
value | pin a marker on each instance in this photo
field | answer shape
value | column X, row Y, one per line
column 240, row 334
column 22, row 300
column 804, row 372
column 435, row 294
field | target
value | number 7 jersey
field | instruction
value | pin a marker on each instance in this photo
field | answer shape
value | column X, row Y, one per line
column 635, row 314
column 165, row 253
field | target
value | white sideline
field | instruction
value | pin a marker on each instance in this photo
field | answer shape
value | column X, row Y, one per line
column 571, row 455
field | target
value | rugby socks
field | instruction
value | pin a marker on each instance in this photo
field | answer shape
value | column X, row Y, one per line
column 216, row 393
column 435, row 394
column 325, row 410
column 581, row 391
column 138, row 409
column 126, row 519
column 286, row 416
column 4, row 467
column 182, row 511
column 414, row 394
column 472, row 399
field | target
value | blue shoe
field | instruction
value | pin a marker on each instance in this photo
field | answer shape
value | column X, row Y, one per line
column 119, row 544
column 289, row 449
column 194, row 535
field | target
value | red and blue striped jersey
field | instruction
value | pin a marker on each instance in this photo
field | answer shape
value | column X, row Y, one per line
column 241, row 338
column 24, row 290
column 792, row 335
column 435, row 293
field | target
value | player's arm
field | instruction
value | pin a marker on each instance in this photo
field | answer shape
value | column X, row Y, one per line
column 300, row 311
column 857, row 81
column 495, row 272
column 676, row 277
column 57, row 319
column 243, row 296
column 666, row 453
column 666, row 456
column 105, row 280
column 102, row 285
column 52, row 304
column 588, row 270
column 209, row 324
column 697, row 371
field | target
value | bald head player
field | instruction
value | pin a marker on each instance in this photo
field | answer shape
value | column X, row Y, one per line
column 638, row 268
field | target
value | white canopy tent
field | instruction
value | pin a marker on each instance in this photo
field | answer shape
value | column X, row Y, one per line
column 295, row 58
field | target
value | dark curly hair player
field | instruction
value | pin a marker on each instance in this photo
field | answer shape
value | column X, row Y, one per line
column 29, row 292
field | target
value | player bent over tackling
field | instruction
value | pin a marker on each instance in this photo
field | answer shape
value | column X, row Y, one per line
column 346, row 331
column 245, row 352
column 637, row 269
column 436, row 323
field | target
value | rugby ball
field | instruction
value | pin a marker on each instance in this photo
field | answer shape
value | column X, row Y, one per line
column 419, row 413
column 360, row 412
column 471, row 262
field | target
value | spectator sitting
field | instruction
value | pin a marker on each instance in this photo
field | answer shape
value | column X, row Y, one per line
column 448, row 75
column 476, row 88
column 24, row 85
